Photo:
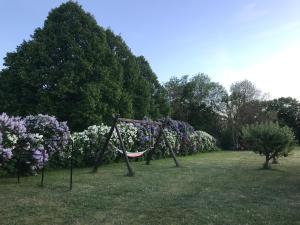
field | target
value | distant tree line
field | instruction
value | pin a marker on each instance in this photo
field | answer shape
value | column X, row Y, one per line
column 82, row 73
column 207, row 106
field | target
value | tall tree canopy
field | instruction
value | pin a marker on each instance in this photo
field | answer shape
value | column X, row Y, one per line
column 80, row 72
column 245, row 106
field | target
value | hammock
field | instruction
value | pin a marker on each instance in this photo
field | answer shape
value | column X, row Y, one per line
column 133, row 154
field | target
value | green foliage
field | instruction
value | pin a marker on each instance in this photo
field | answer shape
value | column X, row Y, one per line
column 244, row 107
column 244, row 91
column 288, row 113
column 198, row 101
column 78, row 71
column 226, row 139
column 269, row 139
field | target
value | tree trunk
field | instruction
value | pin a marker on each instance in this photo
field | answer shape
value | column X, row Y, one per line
column 275, row 160
column 266, row 164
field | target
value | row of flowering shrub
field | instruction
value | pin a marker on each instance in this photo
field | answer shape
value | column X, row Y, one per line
column 137, row 137
column 27, row 144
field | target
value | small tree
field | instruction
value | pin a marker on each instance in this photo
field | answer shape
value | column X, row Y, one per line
column 269, row 139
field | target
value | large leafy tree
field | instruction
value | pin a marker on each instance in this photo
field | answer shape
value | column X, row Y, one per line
column 142, row 95
column 66, row 69
column 244, row 107
column 158, row 102
column 198, row 101
column 78, row 71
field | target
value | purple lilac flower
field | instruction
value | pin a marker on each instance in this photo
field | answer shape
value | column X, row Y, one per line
column 6, row 153
column 51, row 129
column 37, row 155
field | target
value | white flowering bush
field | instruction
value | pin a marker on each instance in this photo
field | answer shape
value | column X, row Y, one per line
column 128, row 132
column 89, row 141
column 172, row 138
column 163, row 150
column 200, row 141
column 207, row 141
column 195, row 144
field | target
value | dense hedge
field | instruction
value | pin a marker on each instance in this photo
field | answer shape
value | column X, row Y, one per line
column 24, row 142
column 182, row 137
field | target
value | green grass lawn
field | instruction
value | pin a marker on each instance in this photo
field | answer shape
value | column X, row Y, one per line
column 225, row 188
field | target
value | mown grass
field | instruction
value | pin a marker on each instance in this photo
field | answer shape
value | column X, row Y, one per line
column 221, row 188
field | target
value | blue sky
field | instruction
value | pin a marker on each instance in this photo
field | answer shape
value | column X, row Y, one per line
column 228, row 40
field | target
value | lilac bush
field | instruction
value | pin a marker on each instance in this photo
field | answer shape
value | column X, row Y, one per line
column 146, row 135
column 206, row 141
column 184, row 133
column 56, row 135
column 23, row 142
column 11, row 130
column 38, row 155
column 182, row 129
column 139, row 137
column 88, row 142
column 15, row 140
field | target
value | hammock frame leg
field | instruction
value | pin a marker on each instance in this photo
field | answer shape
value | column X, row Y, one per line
column 161, row 135
column 130, row 170
column 100, row 154
column 171, row 150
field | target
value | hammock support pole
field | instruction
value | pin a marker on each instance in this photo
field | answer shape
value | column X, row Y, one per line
column 161, row 135
column 100, row 154
column 171, row 150
column 130, row 170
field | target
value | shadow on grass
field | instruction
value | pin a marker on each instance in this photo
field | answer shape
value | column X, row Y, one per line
column 53, row 187
column 270, row 170
column 8, row 181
